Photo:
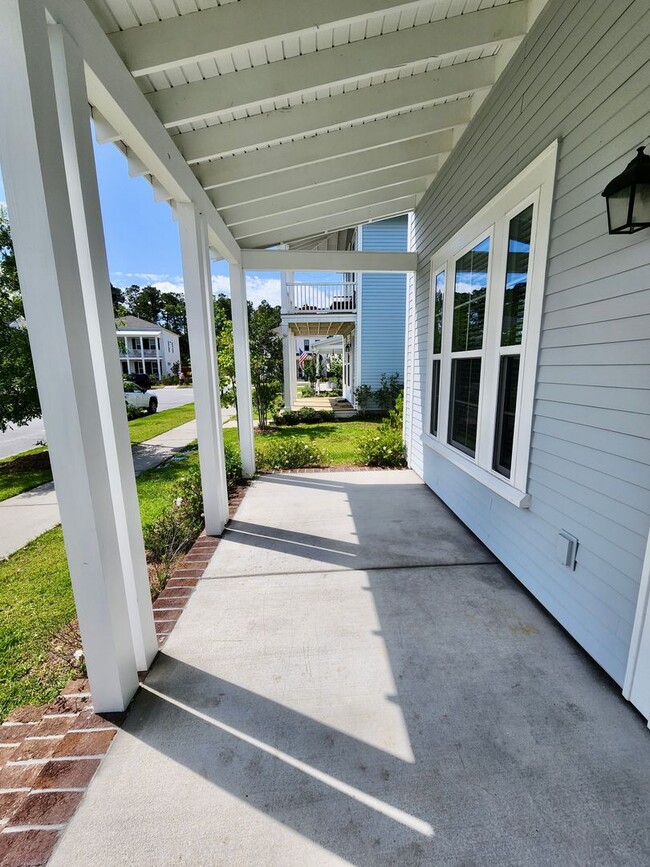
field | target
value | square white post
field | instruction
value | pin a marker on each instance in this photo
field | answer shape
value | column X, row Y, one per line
column 199, row 304
column 288, row 360
column 74, row 122
column 239, row 308
column 46, row 254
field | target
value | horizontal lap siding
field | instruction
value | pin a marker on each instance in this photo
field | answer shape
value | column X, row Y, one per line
column 383, row 305
column 582, row 75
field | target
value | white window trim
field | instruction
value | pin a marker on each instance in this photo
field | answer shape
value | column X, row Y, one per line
column 533, row 185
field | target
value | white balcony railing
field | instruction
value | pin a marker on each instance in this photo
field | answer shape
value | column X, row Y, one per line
column 321, row 298
column 138, row 353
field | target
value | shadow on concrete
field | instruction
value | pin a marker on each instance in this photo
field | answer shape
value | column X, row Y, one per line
column 497, row 741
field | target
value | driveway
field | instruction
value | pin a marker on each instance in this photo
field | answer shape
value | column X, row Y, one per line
column 357, row 681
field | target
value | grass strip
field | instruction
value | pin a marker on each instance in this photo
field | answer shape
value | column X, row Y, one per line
column 36, row 600
column 32, row 468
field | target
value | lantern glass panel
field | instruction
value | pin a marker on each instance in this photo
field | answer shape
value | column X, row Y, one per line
column 618, row 205
column 641, row 212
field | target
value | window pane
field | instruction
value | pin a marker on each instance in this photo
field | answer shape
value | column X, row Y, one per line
column 435, row 393
column 514, row 300
column 506, row 411
column 470, row 286
column 465, row 382
column 437, row 314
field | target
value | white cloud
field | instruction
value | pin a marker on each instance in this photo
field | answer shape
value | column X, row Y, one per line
column 257, row 288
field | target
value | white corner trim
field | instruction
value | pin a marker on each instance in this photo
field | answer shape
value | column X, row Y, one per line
column 498, row 486
column 636, row 687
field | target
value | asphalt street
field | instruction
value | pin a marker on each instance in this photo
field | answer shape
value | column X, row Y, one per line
column 20, row 439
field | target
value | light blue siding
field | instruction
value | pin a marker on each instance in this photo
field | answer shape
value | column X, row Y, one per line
column 383, row 306
column 580, row 76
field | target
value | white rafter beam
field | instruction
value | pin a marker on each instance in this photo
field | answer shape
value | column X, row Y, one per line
column 330, row 260
column 243, row 25
column 239, row 216
column 335, row 208
column 324, row 225
column 363, row 104
column 342, row 142
column 308, row 177
column 339, row 65
column 113, row 91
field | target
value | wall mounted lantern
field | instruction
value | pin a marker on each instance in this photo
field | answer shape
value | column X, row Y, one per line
column 628, row 197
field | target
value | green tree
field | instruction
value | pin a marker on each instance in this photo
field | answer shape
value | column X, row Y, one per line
column 145, row 302
column 226, row 361
column 19, row 401
column 266, row 357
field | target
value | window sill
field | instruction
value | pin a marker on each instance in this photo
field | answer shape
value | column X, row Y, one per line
column 520, row 499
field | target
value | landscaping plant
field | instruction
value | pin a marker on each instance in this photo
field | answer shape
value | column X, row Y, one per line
column 289, row 453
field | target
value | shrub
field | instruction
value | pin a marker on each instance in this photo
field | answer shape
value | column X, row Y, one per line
column 174, row 532
column 306, row 391
column 289, row 454
column 234, row 472
column 363, row 396
column 384, row 449
column 133, row 412
column 388, row 391
column 286, row 417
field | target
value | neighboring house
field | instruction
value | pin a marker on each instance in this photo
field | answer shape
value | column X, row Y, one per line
column 367, row 314
column 146, row 347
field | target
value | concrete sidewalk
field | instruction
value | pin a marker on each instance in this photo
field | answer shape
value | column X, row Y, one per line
column 32, row 513
column 357, row 681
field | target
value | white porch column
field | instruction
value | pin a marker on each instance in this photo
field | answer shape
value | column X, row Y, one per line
column 72, row 106
column 195, row 254
column 294, row 368
column 288, row 360
column 39, row 207
column 242, row 369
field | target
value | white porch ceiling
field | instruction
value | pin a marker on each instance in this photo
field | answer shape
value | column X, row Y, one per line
column 303, row 118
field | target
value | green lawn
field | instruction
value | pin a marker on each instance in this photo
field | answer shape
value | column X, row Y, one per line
column 36, row 598
column 27, row 470
column 338, row 440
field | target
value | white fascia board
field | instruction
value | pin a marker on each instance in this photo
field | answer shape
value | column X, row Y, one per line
column 197, row 36
column 337, row 206
column 130, row 332
column 308, row 177
column 324, row 225
column 338, row 143
column 322, row 114
column 342, row 64
column 113, row 91
column 241, row 214
column 329, row 260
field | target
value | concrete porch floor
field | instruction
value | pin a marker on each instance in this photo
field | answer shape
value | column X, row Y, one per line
column 357, row 681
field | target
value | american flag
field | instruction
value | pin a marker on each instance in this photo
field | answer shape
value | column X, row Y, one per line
column 302, row 358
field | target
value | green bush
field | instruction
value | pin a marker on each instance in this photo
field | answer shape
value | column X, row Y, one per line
column 289, row 454
column 388, row 392
column 234, row 472
column 363, row 396
column 304, row 415
column 286, row 417
column 384, row 449
column 133, row 412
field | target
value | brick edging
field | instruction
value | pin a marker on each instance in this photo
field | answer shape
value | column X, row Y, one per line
column 49, row 754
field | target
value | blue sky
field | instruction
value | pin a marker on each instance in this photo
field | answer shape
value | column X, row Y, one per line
column 142, row 238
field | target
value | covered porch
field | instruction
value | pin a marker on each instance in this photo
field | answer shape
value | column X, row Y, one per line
column 356, row 680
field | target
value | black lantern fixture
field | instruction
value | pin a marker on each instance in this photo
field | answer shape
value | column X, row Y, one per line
column 628, row 197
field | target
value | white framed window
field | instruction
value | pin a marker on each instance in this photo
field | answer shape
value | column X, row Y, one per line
column 487, row 288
